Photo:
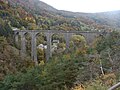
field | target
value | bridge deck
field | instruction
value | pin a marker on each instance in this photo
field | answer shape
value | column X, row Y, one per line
column 58, row 31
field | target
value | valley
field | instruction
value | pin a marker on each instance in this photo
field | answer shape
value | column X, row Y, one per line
column 31, row 29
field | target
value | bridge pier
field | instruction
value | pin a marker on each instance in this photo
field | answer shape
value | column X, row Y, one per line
column 33, row 47
column 23, row 44
column 89, row 37
column 67, row 37
column 48, row 51
column 16, row 39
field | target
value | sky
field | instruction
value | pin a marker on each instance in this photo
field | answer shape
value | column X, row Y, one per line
column 89, row 6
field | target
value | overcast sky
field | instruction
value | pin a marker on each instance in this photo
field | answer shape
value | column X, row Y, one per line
column 85, row 5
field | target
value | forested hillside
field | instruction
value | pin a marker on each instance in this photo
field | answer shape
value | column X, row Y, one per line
column 82, row 67
column 34, row 14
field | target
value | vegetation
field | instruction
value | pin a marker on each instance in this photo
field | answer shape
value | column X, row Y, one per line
column 69, row 71
column 82, row 67
column 10, row 61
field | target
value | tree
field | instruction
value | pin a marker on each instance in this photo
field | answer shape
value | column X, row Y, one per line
column 5, row 28
column 108, row 48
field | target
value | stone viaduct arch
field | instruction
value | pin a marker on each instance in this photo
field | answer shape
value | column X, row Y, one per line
column 89, row 36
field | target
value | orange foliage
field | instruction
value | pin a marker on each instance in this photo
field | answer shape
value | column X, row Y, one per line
column 79, row 87
column 108, row 79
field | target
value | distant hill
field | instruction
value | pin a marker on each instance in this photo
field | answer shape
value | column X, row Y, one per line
column 111, row 18
column 35, row 6
column 35, row 14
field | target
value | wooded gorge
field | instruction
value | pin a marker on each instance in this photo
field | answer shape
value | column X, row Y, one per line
column 83, row 67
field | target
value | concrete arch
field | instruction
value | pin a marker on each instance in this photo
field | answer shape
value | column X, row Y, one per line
column 41, row 46
column 16, row 35
column 33, row 46
column 67, row 37
column 58, row 43
column 23, row 44
column 89, row 36
column 77, row 40
column 48, row 51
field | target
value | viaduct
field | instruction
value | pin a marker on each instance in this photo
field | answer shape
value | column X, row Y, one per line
column 89, row 36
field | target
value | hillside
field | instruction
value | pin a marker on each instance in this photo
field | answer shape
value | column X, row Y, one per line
column 35, row 14
column 13, row 17
column 97, row 20
column 107, row 19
